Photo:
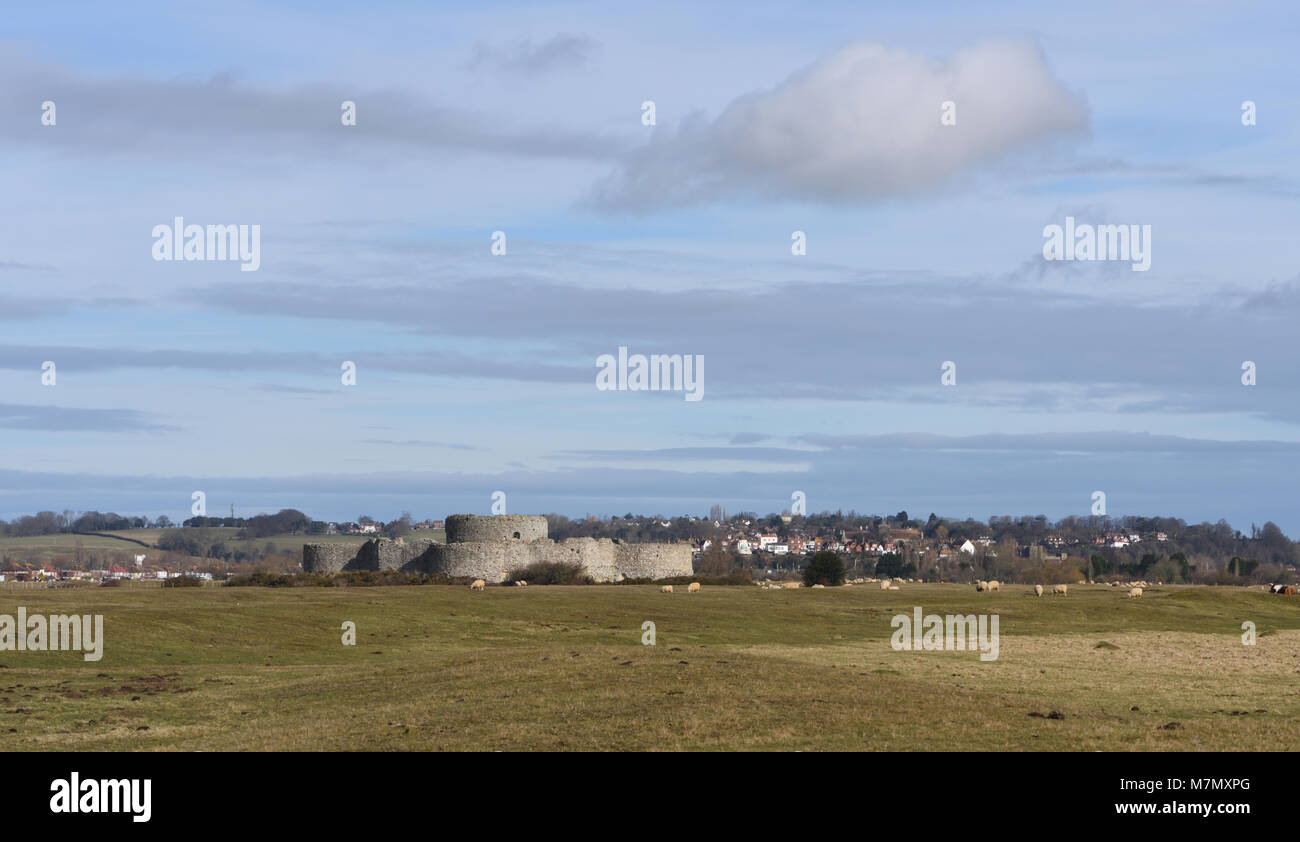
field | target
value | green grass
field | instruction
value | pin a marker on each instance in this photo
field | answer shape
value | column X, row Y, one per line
column 739, row 668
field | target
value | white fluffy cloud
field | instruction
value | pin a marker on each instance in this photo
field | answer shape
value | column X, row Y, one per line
column 861, row 124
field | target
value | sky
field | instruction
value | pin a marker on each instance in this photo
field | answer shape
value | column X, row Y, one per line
column 921, row 149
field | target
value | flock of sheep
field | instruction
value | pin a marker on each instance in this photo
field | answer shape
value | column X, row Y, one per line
column 1134, row 588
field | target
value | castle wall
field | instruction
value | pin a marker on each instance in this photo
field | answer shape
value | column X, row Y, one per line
column 326, row 558
column 594, row 554
column 487, row 560
column 653, row 561
column 485, row 548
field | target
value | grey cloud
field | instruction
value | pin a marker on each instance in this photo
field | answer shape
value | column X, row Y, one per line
column 224, row 117
column 65, row 419
column 419, row 443
column 530, row 58
column 1056, row 350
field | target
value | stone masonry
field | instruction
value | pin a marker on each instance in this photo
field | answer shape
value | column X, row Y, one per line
column 489, row 547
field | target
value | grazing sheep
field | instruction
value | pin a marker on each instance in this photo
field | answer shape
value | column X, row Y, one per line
column 521, row 584
column 993, row 586
column 1060, row 590
column 1134, row 593
column 981, row 586
column 1290, row 590
column 477, row 585
column 848, row 584
column 893, row 587
column 815, row 587
column 1038, row 590
column 666, row 589
column 792, row 585
column 884, row 584
column 693, row 587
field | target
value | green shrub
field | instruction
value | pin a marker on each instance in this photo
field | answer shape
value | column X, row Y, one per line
column 824, row 568
column 183, row 582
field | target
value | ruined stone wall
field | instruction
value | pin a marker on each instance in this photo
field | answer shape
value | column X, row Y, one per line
column 396, row 555
column 326, row 558
column 653, row 561
column 466, row 528
column 596, row 555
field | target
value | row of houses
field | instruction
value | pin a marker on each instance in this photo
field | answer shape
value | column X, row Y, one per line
column 47, row 573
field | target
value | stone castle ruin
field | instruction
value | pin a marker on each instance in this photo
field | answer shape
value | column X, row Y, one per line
column 489, row 547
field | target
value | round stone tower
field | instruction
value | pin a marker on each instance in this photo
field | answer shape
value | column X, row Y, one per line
column 465, row 528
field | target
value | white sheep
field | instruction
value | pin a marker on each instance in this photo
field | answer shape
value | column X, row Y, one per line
column 1038, row 590
column 477, row 585
column 815, row 587
column 993, row 586
column 792, row 585
column 1133, row 593
column 884, row 584
column 693, row 587
column 521, row 584
column 1060, row 590
column 666, row 589
column 981, row 586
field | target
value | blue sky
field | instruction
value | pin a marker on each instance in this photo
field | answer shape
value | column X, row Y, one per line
column 476, row 372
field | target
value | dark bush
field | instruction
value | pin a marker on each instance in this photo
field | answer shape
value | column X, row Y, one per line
column 183, row 582
column 824, row 568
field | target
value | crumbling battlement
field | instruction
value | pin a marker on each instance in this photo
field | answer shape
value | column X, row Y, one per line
column 490, row 547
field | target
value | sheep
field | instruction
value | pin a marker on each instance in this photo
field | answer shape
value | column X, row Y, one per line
column 1290, row 590
column 1038, row 590
column 1134, row 593
column 981, row 586
column 477, row 585
column 893, row 587
column 693, row 587
column 792, row 585
column 884, row 584
column 993, row 586
column 815, row 587
column 1060, row 590
column 666, row 589
column 521, row 584
column 848, row 584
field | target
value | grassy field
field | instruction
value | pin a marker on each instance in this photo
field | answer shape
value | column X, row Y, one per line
column 563, row 668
